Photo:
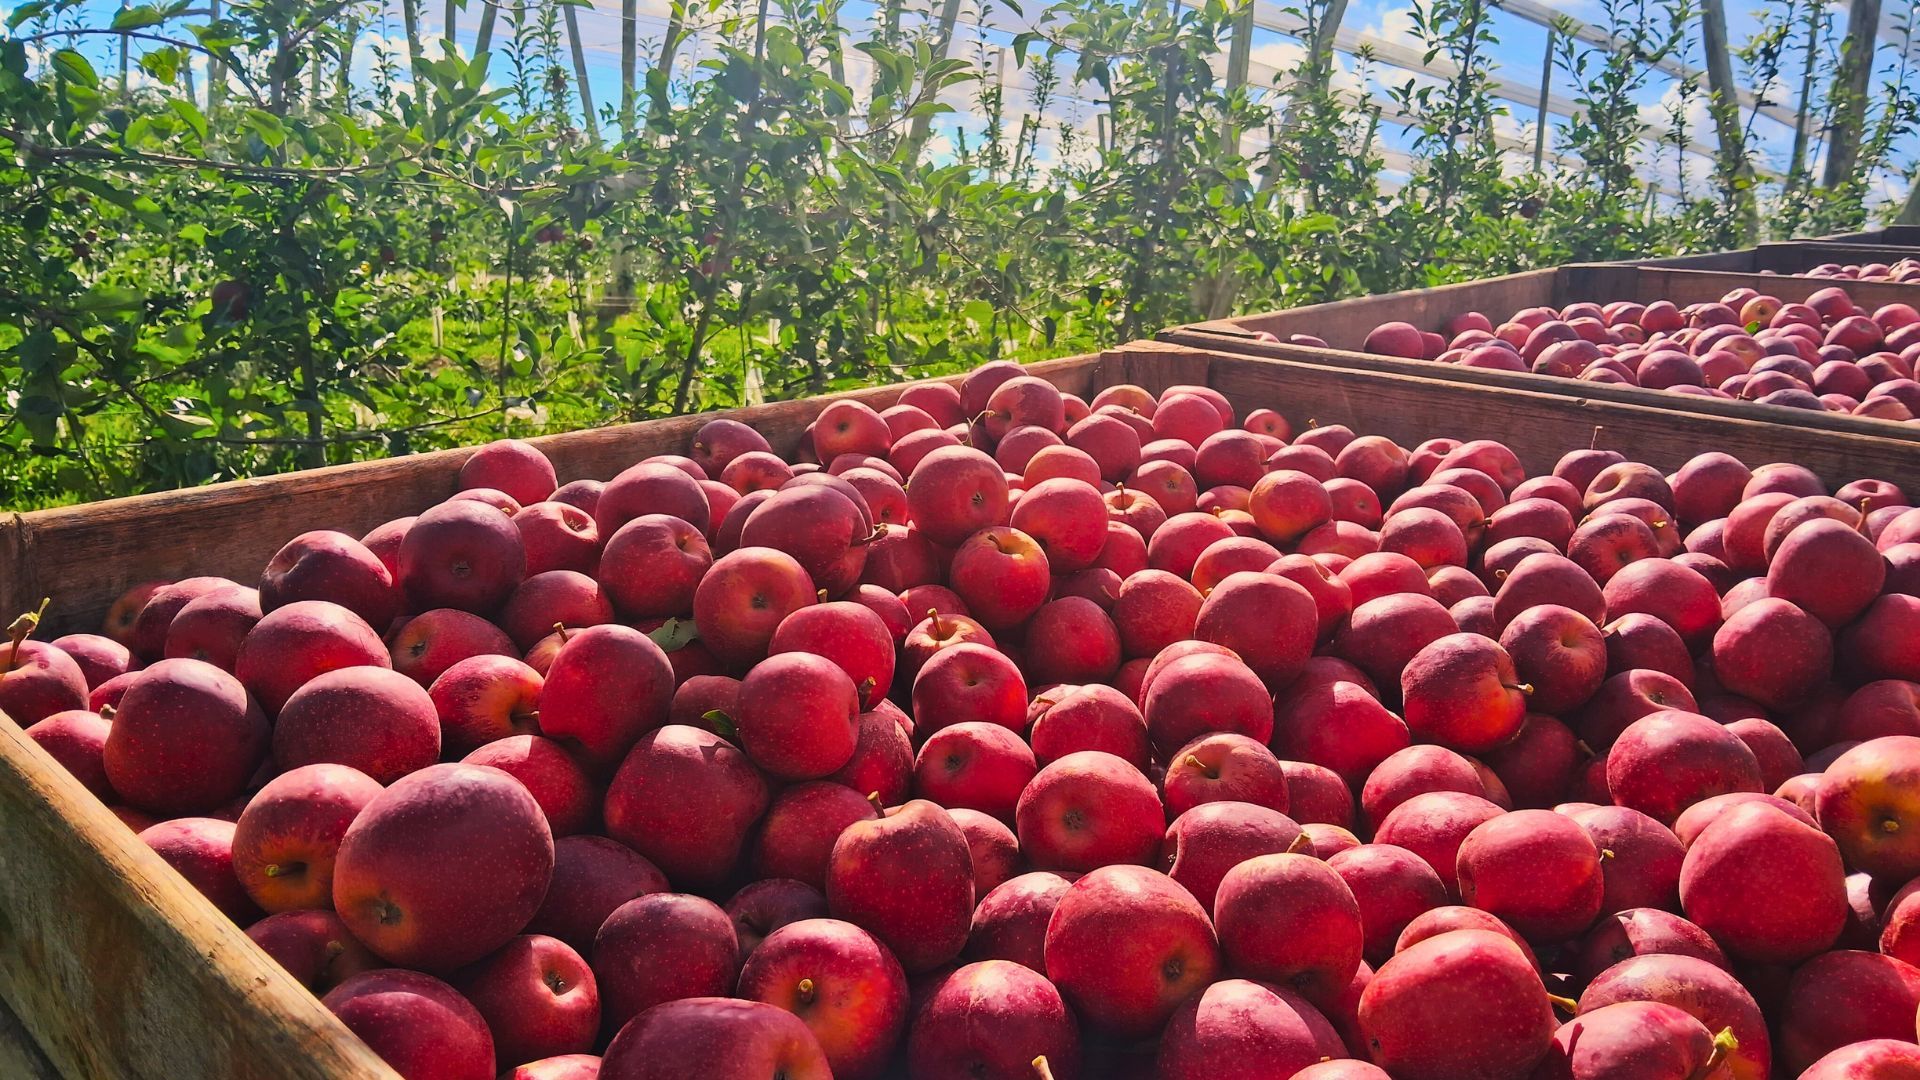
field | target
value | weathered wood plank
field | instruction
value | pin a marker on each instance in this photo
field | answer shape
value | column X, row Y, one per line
column 1792, row 257
column 119, row 969
column 20, row 1056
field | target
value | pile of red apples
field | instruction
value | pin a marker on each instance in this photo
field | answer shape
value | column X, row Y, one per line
column 1824, row 354
column 1039, row 737
column 1906, row 271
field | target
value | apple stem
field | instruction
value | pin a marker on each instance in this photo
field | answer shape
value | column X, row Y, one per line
column 1723, row 1044
column 1300, row 843
column 806, row 991
column 933, row 616
column 1566, row 1004
column 878, row 806
column 107, row 711
column 1312, row 423
column 561, row 629
column 1594, row 443
column 1607, row 853
column 1040, row 1067
column 21, row 629
column 1524, row 688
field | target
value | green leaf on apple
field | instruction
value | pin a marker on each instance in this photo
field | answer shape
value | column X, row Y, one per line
column 675, row 634
column 723, row 725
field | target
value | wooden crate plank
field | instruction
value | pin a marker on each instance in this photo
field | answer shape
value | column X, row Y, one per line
column 85, row 556
column 1344, row 324
column 1892, row 235
column 119, row 969
column 1683, row 286
column 1790, row 258
column 20, row 1056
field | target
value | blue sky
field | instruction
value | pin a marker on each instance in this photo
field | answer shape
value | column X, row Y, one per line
column 986, row 35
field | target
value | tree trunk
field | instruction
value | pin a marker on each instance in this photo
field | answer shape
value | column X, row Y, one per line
column 451, row 26
column 483, row 37
column 943, row 41
column 1850, row 91
column 1323, row 38
column 837, row 65
column 1724, row 104
column 410, row 15
column 216, row 71
column 1540, row 123
column 343, row 77
column 629, row 45
column 580, row 72
column 1910, row 210
column 1239, row 58
column 1319, row 63
column 1803, row 120
column 124, row 66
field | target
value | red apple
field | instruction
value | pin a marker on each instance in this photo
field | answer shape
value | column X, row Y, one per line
column 286, row 839
column 906, row 878
column 185, row 739
column 1126, row 945
column 1086, row 810
column 417, row 1024
column 841, row 982
column 662, row 947
column 375, row 720
column 305, row 639
column 538, row 998
column 314, row 946
column 1465, row 1003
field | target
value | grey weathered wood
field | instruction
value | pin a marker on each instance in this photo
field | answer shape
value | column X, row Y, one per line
column 118, row 969
column 20, row 1056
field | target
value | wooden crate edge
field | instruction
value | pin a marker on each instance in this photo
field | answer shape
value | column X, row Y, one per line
column 184, row 992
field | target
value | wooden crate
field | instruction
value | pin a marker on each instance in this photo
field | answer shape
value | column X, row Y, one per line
column 1793, row 258
column 115, row 966
column 1893, row 235
column 119, row 969
column 1344, row 325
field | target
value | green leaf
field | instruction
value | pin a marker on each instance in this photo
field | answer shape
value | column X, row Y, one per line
column 266, row 127
column 723, row 724
column 26, row 13
column 104, row 298
column 75, row 68
column 36, row 352
column 137, row 18
column 187, row 111
column 675, row 634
